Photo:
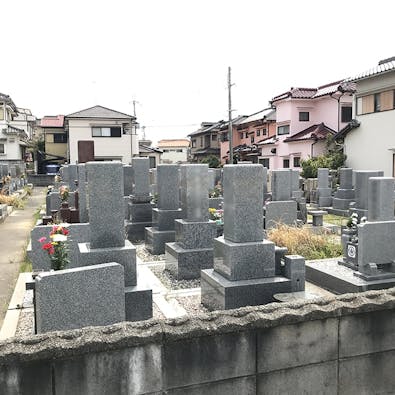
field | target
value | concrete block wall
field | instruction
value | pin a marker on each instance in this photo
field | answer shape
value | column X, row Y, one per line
column 339, row 345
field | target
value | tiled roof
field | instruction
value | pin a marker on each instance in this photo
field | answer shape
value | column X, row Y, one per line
column 312, row 93
column 56, row 121
column 100, row 112
column 207, row 127
column 268, row 140
column 7, row 99
column 318, row 132
column 264, row 114
column 173, row 143
column 384, row 66
column 353, row 124
column 146, row 148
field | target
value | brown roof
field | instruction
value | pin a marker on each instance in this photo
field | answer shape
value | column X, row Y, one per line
column 319, row 132
column 173, row 143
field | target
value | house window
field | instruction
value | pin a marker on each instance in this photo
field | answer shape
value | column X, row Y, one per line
column 59, row 138
column 193, row 143
column 213, row 137
column 258, row 132
column 264, row 132
column 178, row 150
column 296, row 162
column 106, row 131
column 224, row 137
column 304, row 116
column 1, row 113
column 265, row 162
column 346, row 114
column 377, row 102
column 201, row 141
column 286, row 163
column 252, row 139
column 2, row 149
column 283, row 129
column 246, row 135
column 241, row 135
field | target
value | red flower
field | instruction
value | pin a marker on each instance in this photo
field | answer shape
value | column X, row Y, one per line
column 65, row 231
column 47, row 246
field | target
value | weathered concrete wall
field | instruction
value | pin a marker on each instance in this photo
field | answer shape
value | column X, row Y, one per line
column 339, row 345
column 41, row 180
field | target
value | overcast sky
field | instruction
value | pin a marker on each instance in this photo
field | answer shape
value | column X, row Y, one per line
column 172, row 56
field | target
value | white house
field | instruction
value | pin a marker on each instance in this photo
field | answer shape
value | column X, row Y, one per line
column 112, row 133
column 13, row 138
column 174, row 150
column 369, row 141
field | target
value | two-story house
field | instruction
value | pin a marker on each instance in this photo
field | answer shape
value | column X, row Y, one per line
column 174, row 150
column 13, row 139
column 205, row 141
column 55, row 137
column 369, row 141
column 100, row 133
column 305, row 118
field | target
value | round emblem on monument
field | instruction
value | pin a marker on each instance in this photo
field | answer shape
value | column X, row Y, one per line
column 351, row 251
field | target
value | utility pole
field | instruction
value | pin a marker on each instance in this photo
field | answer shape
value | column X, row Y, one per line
column 230, row 128
column 134, row 107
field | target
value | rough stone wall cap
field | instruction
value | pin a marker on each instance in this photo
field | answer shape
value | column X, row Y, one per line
column 66, row 344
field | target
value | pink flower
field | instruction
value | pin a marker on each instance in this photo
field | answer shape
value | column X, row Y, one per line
column 42, row 239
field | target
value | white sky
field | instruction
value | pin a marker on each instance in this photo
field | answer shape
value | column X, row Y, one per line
column 172, row 56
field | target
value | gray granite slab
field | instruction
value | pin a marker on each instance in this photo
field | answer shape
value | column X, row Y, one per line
column 284, row 212
column 168, row 186
column 361, row 186
column 244, row 261
column 281, row 184
column 79, row 297
column 106, row 204
column 127, row 180
column 141, row 184
column 193, row 235
column 381, row 199
column 164, row 219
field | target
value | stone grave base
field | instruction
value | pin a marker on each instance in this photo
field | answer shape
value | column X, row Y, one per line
column 126, row 256
column 340, row 279
column 336, row 211
column 155, row 240
column 136, row 230
column 218, row 293
column 186, row 264
column 341, row 204
column 138, row 300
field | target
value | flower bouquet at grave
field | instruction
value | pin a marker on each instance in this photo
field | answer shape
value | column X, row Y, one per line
column 56, row 247
column 352, row 223
column 64, row 193
column 216, row 215
column 216, row 192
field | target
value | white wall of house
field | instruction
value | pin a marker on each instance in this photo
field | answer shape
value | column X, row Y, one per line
column 372, row 145
column 105, row 147
column 172, row 154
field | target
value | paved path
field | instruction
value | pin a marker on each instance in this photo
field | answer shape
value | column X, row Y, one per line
column 14, row 236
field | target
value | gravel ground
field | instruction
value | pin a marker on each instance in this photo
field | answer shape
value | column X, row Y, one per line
column 191, row 304
column 145, row 255
column 171, row 283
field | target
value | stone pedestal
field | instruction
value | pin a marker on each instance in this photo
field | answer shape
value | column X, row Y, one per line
column 345, row 194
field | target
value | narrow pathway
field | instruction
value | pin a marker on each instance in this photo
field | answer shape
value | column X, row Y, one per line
column 14, row 235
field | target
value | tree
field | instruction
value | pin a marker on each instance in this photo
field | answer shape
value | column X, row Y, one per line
column 212, row 161
column 332, row 159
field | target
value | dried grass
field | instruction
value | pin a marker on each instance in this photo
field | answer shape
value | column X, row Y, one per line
column 14, row 201
column 301, row 241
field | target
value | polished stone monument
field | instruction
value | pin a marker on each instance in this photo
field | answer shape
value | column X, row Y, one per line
column 244, row 270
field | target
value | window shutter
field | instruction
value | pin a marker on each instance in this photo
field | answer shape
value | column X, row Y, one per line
column 367, row 104
column 387, row 100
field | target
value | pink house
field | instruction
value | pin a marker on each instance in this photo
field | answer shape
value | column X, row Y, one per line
column 305, row 118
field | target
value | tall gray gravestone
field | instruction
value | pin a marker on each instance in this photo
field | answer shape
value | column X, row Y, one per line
column 361, row 191
column 107, row 242
column 140, row 209
column 324, row 192
column 193, row 248
column 244, row 262
column 345, row 193
column 127, row 187
column 82, row 194
column 281, row 209
column 167, row 210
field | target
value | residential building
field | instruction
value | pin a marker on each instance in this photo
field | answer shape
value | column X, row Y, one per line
column 205, row 141
column 147, row 151
column 55, row 137
column 305, row 117
column 369, row 141
column 174, row 150
column 13, row 138
column 112, row 133
column 247, row 133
